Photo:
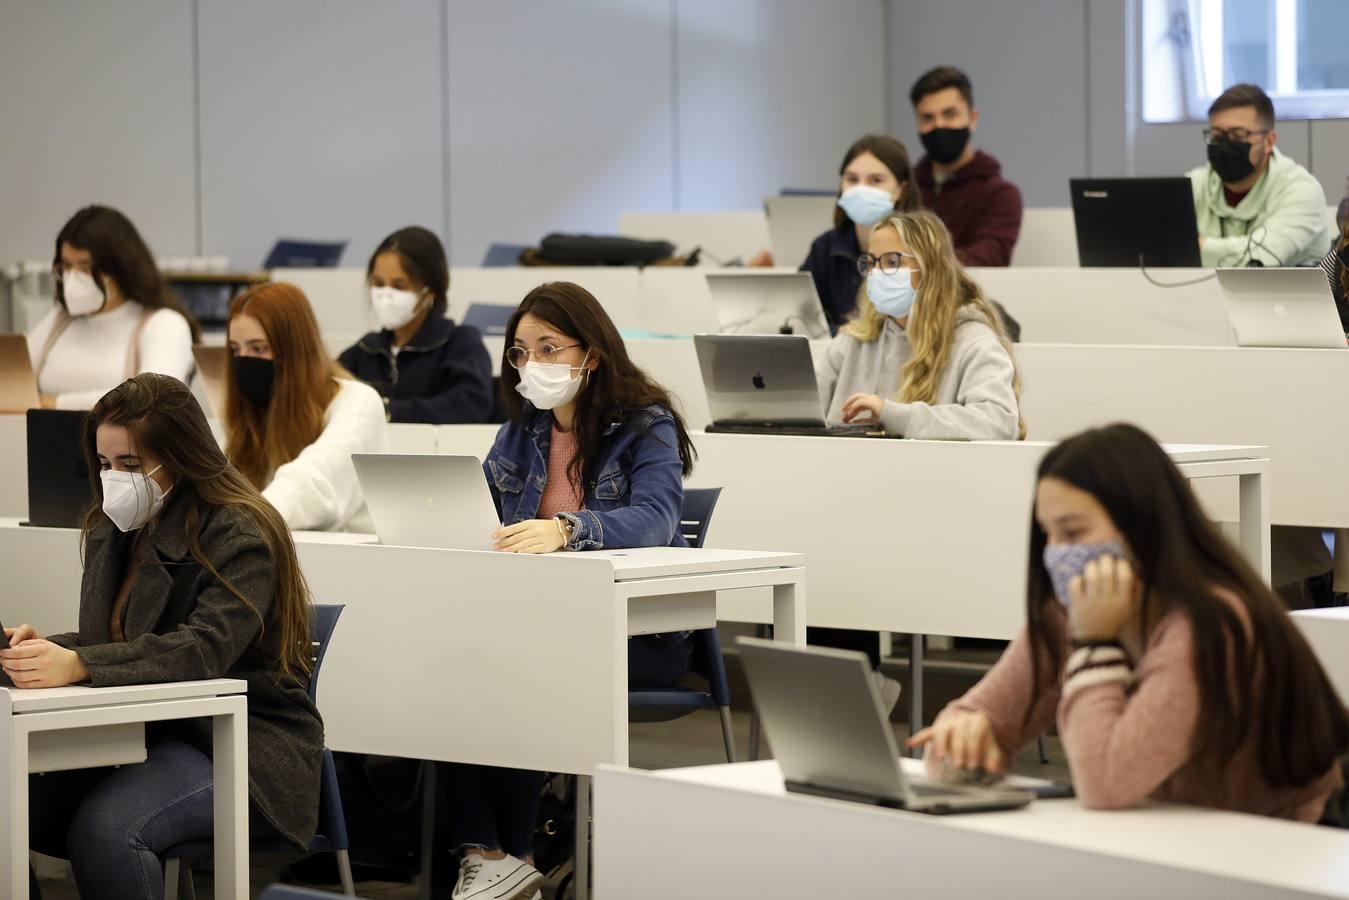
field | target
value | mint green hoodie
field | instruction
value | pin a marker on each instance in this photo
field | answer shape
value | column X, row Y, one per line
column 1282, row 221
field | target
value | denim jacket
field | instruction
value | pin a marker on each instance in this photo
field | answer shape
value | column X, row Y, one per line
column 633, row 497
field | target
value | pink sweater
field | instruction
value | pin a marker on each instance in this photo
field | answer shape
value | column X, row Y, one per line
column 560, row 494
column 1128, row 743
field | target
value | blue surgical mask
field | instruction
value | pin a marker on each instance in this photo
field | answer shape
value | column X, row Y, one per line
column 1064, row 562
column 866, row 205
column 892, row 295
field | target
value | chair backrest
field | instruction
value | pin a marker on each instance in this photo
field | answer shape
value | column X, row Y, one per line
column 697, row 513
column 322, row 623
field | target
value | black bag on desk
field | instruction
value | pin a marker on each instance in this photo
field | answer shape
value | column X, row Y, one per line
column 599, row 250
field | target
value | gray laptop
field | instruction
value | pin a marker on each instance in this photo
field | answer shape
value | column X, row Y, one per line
column 831, row 737
column 1281, row 308
column 766, row 302
column 428, row 500
column 794, row 222
column 764, row 383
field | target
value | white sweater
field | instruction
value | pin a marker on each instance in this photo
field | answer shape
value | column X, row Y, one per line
column 89, row 358
column 318, row 490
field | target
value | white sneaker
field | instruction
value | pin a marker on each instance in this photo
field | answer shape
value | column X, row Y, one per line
column 508, row 878
column 890, row 690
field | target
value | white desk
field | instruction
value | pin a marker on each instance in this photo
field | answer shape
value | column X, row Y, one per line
column 1327, row 630
column 750, row 838
column 80, row 728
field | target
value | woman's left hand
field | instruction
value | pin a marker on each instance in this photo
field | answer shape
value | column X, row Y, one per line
column 859, row 405
column 1105, row 597
column 529, row 536
column 39, row 663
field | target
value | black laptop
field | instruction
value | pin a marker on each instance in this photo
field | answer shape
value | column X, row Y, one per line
column 59, row 492
column 1130, row 222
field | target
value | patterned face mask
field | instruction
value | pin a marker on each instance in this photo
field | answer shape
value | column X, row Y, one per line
column 1064, row 562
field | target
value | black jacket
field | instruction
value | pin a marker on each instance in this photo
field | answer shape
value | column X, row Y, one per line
column 443, row 376
column 181, row 624
column 832, row 262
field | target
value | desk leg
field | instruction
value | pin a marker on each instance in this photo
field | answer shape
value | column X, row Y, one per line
column 1255, row 522
column 430, row 798
column 915, row 686
column 789, row 612
column 14, row 801
column 581, row 872
column 230, row 741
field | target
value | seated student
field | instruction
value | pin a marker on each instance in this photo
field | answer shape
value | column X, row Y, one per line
column 114, row 316
column 925, row 354
column 962, row 185
column 1174, row 672
column 874, row 182
column 188, row 574
column 1253, row 204
column 427, row 368
column 293, row 417
column 1336, row 267
column 593, row 457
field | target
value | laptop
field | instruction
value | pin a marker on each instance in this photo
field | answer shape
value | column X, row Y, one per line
column 1131, row 222
column 765, row 384
column 428, row 500
column 288, row 253
column 794, row 222
column 1281, row 308
column 18, row 385
column 59, row 491
column 766, row 302
column 823, row 715
column 491, row 319
column 213, row 369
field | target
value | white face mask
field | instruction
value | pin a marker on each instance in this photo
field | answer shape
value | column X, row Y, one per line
column 394, row 308
column 83, row 297
column 549, row 385
column 131, row 499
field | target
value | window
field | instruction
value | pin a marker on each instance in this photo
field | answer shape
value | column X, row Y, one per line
column 1194, row 49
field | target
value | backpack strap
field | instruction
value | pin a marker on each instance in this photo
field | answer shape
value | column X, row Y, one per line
column 59, row 327
column 133, row 351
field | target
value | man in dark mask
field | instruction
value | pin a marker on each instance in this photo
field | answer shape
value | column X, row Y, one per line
column 1253, row 204
column 962, row 185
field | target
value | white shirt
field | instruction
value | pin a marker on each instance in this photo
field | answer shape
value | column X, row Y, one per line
column 318, row 490
column 90, row 357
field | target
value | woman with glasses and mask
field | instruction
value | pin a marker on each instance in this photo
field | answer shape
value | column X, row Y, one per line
column 427, row 368
column 293, row 417
column 114, row 316
column 593, row 457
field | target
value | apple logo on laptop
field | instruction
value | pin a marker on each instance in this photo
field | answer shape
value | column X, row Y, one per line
column 429, row 502
column 1280, row 310
column 758, row 381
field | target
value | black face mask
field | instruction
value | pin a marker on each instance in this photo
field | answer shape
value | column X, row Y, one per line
column 945, row 145
column 254, row 376
column 1231, row 160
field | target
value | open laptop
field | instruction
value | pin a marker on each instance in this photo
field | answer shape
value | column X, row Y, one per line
column 765, row 302
column 213, row 370
column 1133, row 222
column 428, row 500
column 823, row 715
column 59, row 492
column 18, row 385
column 765, row 384
column 794, row 222
column 1281, row 308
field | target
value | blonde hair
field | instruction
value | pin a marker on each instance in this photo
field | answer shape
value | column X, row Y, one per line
column 944, row 290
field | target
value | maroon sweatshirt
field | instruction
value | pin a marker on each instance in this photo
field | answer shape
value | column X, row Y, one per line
column 981, row 209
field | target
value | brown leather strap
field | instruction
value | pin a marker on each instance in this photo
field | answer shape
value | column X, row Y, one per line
column 59, row 327
column 133, row 352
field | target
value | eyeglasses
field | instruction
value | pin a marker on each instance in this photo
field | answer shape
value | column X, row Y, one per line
column 544, row 353
column 888, row 263
column 1237, row 135
column 61, row 270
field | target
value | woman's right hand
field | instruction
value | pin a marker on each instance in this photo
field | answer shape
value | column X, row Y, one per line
column 961, row 739
column 21, row 634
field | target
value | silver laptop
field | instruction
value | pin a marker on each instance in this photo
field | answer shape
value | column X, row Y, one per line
column 823, row 715
column 750, row 302
column 795, row 222
column 1281, row 308
column 428, row 500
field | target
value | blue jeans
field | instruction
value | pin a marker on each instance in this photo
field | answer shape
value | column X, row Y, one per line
column 112, row 824
column 496, row 809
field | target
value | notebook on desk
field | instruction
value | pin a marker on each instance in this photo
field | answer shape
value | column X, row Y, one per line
column 428, row 500
column 18, row 385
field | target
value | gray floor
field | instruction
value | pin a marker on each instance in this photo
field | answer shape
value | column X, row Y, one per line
column 696, row 740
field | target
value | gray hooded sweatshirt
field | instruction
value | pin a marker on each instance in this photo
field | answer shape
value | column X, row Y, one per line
column 974, row 402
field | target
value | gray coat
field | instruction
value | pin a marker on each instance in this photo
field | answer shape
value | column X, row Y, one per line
column 181, row 624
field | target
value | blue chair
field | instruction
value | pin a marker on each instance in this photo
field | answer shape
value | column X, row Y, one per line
column 489, row 318
column 668, row 704
column 332, row 836
column 502, row 256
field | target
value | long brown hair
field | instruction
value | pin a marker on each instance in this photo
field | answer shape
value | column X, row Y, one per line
column 616, row 391
column 258, row 441
column 1340, row 245
column 895, row 157
column 166, row 422
column 1300, row 725
column 120, row 253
